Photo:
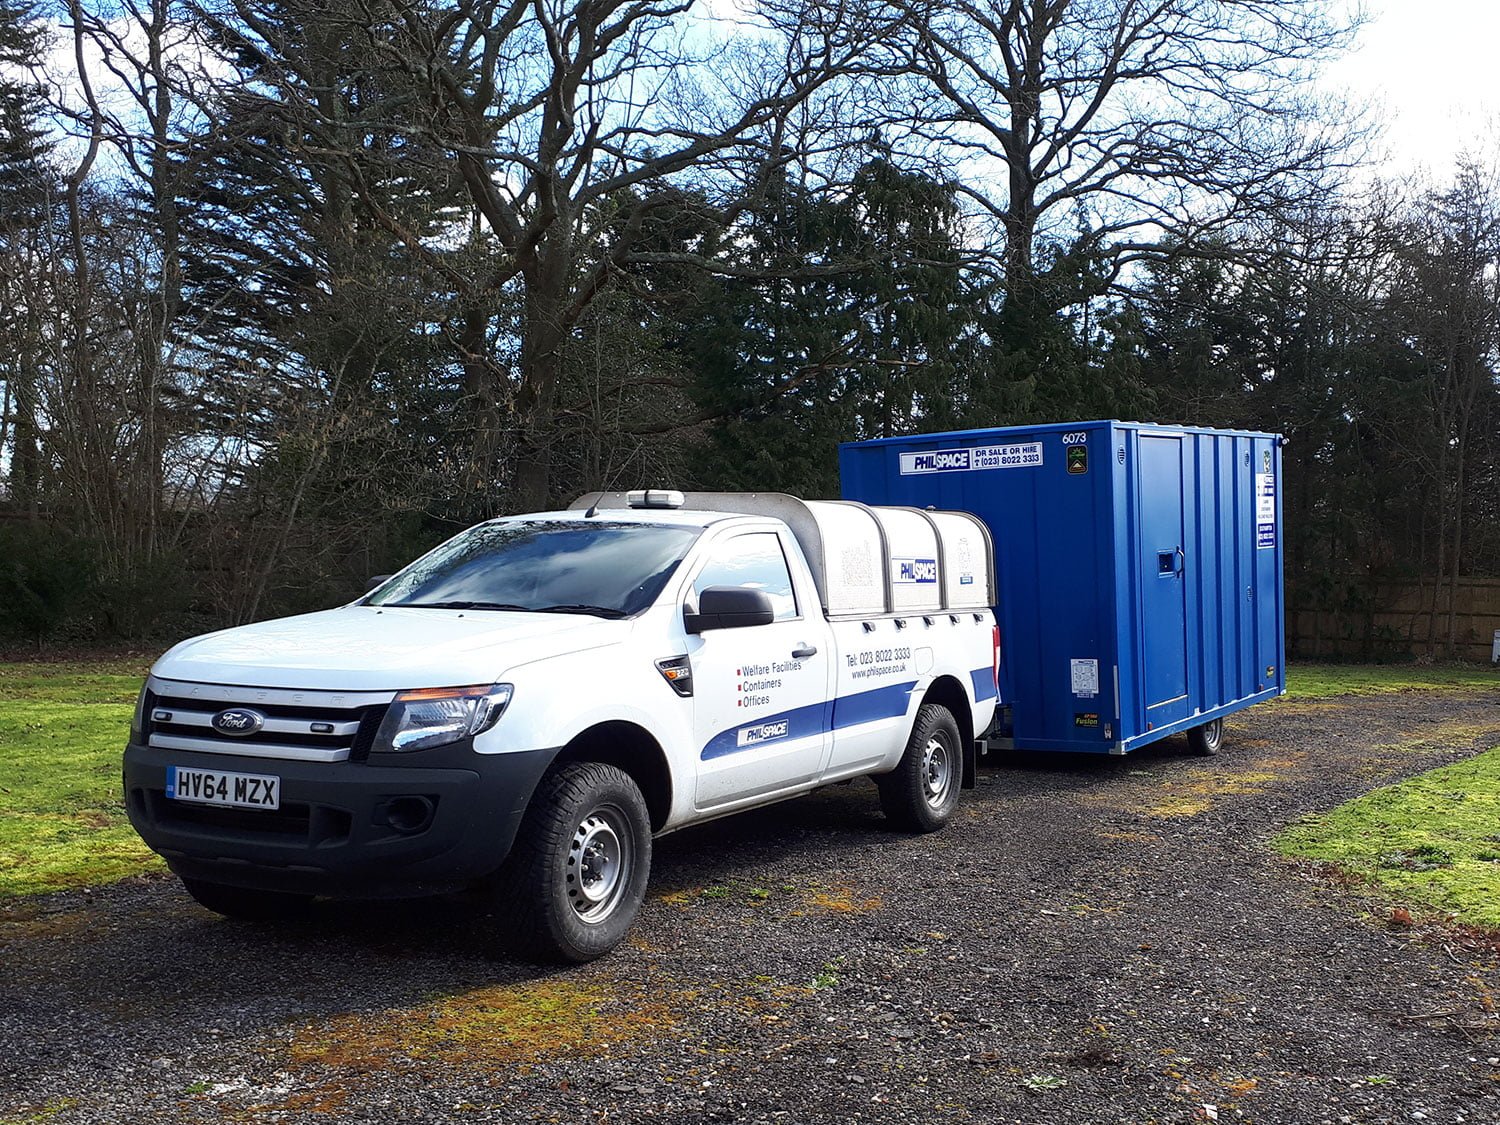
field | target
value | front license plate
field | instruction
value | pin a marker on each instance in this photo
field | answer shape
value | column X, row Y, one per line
column 216, row 787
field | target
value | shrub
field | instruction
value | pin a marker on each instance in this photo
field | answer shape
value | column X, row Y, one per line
column 48, row 580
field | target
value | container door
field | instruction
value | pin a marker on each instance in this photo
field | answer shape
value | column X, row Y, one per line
column 1164, row 589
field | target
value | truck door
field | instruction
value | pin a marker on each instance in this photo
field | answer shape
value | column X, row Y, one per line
column 1164, row 588
column 760, row 693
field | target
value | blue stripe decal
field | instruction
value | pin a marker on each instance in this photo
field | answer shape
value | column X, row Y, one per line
column 871, row 706
column 984, row 684
column 801, row 722
column 888, row 702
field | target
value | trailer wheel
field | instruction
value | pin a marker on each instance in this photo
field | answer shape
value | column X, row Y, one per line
column 577, row 873
column 247, row 904
column 1207, row 739
column 920, row 794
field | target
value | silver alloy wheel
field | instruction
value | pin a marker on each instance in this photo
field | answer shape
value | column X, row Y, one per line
column 937, row 772
column 599, row 863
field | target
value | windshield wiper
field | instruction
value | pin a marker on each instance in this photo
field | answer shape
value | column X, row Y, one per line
column 597, row 610
column 461, row 605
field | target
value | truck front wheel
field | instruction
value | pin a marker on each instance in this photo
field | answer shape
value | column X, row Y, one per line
column 577, row 873
column 920, row 794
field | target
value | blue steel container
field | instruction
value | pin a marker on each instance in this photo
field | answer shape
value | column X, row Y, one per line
column 1139, row 569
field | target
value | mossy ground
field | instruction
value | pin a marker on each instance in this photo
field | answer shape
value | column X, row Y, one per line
column 1432, row 840
column 62, row 822
column 501, row 1029
column 503, row 1025
column 1318, row 681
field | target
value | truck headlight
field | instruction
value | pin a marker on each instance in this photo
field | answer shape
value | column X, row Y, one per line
column 138, row 720
column 428, row 717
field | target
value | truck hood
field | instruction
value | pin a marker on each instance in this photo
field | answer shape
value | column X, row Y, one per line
column 383, row 648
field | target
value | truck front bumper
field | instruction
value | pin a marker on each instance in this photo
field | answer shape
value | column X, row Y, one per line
column 394, row 825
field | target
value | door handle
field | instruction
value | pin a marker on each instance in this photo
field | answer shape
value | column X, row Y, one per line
column 804, row 652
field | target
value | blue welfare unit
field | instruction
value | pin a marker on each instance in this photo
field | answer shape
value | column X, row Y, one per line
column 1139, row 570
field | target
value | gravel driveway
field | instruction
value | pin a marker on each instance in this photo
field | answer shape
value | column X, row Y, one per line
column 1091, row 941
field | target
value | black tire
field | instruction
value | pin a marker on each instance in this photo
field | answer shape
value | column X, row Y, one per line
column 577, row 874
column 1207, row 739
column 247, row 904
column 920, row 794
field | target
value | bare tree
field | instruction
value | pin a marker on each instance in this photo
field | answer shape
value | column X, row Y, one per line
column 148, row 57
column 568, row 123
column 1120, row 127
column 1445, row 301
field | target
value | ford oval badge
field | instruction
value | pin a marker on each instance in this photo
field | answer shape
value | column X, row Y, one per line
column 238, row 722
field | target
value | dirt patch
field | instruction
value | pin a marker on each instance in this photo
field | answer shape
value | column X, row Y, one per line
column 33, row 921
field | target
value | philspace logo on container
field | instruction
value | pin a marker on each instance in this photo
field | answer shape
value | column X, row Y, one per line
column 936, row 461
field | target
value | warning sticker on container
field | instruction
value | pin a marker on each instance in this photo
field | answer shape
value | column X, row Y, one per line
column 1085, row 678
column 1025, row 455
column 1265, row 510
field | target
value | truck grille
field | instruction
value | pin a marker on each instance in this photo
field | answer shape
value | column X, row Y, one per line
column 313, row 726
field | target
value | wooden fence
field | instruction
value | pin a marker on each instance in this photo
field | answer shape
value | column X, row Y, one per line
column 1386, row 619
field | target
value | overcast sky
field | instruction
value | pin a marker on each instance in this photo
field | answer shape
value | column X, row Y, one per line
column 1433, row 64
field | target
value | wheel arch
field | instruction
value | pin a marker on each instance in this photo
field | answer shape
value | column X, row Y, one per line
column 947, row 691
column 630, row 748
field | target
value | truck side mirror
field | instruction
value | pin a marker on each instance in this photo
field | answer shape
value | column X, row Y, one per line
column 729, row 607
column 377, row 580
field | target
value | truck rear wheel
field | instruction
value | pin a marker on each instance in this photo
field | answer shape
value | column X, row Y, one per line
column 247, row 904
column 577, row 873
column 920, row 794
column 1207, row 739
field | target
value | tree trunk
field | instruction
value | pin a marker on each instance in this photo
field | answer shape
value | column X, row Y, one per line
column 543, row 339
column 150, row 475
column 1440, row 569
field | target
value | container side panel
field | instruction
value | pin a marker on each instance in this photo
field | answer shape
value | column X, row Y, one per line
column 1244, row 555
column 1129, row 691
column 1225, row 591
column 1046, row 497
column 1206, row 658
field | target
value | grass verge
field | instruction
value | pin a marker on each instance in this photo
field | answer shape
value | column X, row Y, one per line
column 1317, row 681
column 62, row 822
column 1432, row 840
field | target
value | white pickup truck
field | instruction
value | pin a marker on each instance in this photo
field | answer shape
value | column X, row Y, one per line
column 526, row 705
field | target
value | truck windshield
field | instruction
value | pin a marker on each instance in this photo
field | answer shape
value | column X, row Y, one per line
column 544, row 566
